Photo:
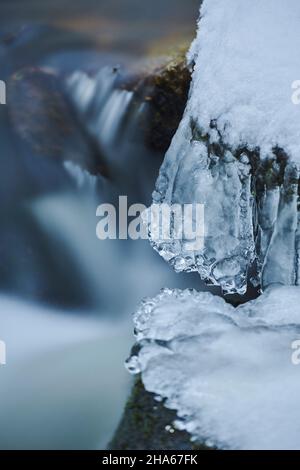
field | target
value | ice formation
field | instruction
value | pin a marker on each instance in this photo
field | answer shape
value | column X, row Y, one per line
column 229, row 373
column 237, row 149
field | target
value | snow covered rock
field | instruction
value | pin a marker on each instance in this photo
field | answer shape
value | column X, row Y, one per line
column 230, row 374
column 237, row 149
column 146, row 425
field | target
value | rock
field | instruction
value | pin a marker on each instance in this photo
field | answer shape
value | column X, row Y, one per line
column 147, row 424
column 165, row 90
column 43, row 118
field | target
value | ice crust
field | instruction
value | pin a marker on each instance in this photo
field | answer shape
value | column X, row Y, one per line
column 227, row 372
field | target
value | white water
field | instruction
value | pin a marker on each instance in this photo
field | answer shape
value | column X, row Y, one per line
column 101, row 104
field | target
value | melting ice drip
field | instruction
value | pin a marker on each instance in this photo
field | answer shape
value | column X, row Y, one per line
column 230, row 377
column 227, row 153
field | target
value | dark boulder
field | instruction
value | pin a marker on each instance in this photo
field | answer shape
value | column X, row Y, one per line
column 42, row 117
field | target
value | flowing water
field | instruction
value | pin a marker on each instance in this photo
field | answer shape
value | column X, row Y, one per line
column 66, row 297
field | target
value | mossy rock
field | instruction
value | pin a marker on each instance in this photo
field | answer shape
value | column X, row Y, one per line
column 165, row 91
column 147, row 425
column 162, row 85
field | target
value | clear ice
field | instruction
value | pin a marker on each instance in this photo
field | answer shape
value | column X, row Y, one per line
column 192, row 173
column 237, row 148
column 250, row 211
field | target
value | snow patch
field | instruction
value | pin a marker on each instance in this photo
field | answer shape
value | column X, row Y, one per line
column 247, row 58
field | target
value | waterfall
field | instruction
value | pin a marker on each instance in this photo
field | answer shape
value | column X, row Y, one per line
column 64, row 379
column 100, row 103
column 111, row 113
column 82, row 178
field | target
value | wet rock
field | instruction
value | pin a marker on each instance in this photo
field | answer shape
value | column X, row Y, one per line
column 43, row 118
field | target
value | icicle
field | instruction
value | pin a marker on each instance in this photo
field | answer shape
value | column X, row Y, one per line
column 197, row 170
column 280, row 262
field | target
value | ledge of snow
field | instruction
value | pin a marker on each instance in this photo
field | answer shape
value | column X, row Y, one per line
column 247, row 57
column 227, row 372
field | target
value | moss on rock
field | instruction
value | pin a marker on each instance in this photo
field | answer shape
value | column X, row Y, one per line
column 147, row 425
column 168, row 87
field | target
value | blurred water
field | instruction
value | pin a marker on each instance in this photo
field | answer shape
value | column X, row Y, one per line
column 64, row 385
column 66, row 297
column 130, row 26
